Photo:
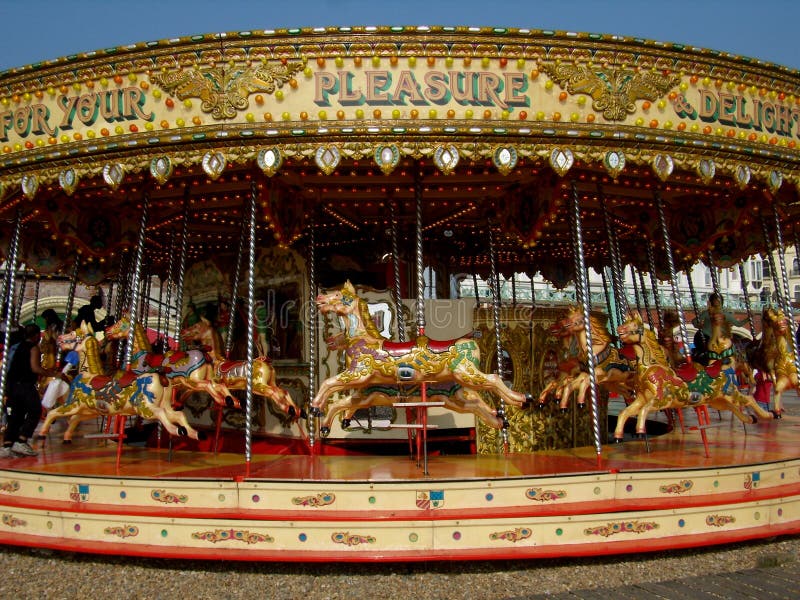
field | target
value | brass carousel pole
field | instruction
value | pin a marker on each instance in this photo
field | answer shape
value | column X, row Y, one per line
column 673, row 275
column 748, row 305
column 11, row 266
column 581, row 281
column 785, row 278
column 168, row 300
column 237, row 273
column 651, row 263
column 398, row 299
column 136, row 281
column 251, row 285
column 643, row 287
column 313, row 324
column 182, row 265
column 67, row 324
column 495, row 278
column 423, row 389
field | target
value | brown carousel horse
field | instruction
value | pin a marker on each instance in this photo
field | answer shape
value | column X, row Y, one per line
column 613, row 370
column 93, row 394
column 565, row 378
column 774, row 354
column 233, row 373
column 371, row 360
column 189, row 371
column 658, row 386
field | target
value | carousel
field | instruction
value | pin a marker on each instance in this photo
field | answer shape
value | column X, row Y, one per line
column 287, row 230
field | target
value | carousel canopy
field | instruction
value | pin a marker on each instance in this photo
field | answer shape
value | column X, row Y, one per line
column 342, row 130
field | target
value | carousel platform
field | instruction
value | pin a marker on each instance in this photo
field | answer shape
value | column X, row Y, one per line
column 666, row 492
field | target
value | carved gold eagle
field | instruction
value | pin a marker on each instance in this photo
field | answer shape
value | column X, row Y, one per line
column 223, row 91
column 614, row 92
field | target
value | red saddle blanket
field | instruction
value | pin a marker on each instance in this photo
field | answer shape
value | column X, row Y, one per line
column 397, row 349
column 688, row 372
column 98, row 382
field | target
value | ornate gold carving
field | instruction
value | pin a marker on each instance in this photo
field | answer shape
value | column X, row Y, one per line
column 351, row 539
column 236, row 535
column 512, row 535
column 123, row 532
column 614, row 528
column 614, row 91
column 168, row 497
column 684, row 485
column 224, row 91
column 323, row 499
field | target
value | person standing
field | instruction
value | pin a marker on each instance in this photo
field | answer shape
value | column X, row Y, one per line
column 23, row 406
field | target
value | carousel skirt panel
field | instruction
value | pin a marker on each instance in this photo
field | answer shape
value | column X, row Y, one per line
column 639, row 496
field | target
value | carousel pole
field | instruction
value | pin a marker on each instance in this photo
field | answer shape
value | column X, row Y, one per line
column 160, row 304
column 182, row 265
column 398, row 300
column 750, row 320
column 692, row 294
column 123, row 283
column 136, row 282
column 580, row 274
column 609, row 304
column 712, row 269
column 495, row 277
column 36, row 297
column 617, row 281
column 21, row 297
column 11, row 265
column 477, row 294
column 643, row 287
column 168, row 301
column 67, row 324
column 312, row 328
column 423, row 389
column 237, row 274
column 636, row 296
column 785, row 277
column 251, row 284
column 673, row 275
column 651, row 260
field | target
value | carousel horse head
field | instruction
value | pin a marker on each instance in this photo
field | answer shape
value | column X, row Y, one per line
column 342, row 301
column 72, row 339
column 631, row 330
column 119, row 329
column 776, row 320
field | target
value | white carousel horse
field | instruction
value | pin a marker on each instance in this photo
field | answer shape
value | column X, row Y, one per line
column 659, row 387
column 189, row 371
column 372, row 360
column 774, row 354
column 233, row 373
column 93, row 394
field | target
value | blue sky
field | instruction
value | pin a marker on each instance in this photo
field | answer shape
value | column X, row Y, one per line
column 35, row 30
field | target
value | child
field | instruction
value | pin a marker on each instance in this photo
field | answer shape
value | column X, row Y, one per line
column 763, row 392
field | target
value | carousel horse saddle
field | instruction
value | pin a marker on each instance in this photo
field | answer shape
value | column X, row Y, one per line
column 397, row 349
column 98, row 382
column 688, row 372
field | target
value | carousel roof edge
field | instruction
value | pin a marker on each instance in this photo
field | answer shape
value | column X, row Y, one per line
column 330, row 34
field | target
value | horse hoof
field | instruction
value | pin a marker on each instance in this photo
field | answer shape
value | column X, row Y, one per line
column 775, row 414
column 345, row 423
column 581, row 405
column 229, row 401
column 315, row 411
column 528, row 401
column 564, row 410
column 617, row 440
column 303, row 414
column 182, row 431
column 66, row 441
column 291, row 412
column 753, row 419
column 324, row 431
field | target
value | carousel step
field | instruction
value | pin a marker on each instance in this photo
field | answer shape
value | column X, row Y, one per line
column 416, row 404
column 413, row 426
